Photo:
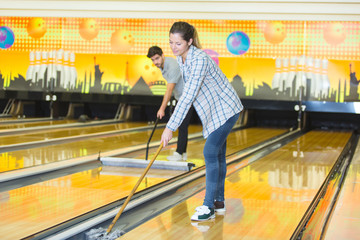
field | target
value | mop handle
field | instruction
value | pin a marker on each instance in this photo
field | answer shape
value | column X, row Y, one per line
column 148, row 142
column 134, row 189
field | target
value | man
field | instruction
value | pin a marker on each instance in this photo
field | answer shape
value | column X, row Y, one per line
column 171, row 72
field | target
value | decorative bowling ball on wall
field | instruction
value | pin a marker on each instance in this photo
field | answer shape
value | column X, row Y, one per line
column 88, row 29
column 275, row 32
column 7, row 37
column 36, row 27
column 334, row 33
column 122, row 41
column 213, row 54
column 238, row 42
column 142, row 66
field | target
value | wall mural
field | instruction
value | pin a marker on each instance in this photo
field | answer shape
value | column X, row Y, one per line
column 262, row 59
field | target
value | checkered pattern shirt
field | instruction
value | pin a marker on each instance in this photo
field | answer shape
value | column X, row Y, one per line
column 208, row 89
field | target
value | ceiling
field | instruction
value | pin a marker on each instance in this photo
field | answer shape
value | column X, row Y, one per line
column 180, row 9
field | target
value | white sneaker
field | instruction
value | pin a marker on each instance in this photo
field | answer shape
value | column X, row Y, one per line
column 203, row 213
column 175, row 157
column 184, row 156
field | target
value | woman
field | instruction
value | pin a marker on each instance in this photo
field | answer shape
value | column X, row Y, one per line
column 217, row 104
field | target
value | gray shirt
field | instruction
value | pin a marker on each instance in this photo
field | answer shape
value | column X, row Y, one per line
column 171, row 73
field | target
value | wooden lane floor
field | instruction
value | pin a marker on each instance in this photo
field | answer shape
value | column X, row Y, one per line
column 30, row 209
column 59, row 152
column 14, row 119
column 345, row 220
column 6, row 119
column 264, row 200
column 236, row 141
column 5, row 126
column 50, row 134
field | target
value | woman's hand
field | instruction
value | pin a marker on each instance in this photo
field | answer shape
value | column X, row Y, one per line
column 166, row 137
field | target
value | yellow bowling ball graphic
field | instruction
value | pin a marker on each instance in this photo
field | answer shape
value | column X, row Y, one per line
column 88, row 29
column 141, row 66
column 122, row 41
column 275, row 32
column 36, row 27
column 334, row 33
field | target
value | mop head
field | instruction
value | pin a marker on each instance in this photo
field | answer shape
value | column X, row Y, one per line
column 139, row 163
column 101, row 234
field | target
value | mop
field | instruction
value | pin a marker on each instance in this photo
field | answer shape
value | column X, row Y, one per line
column 101, row 233
column 139, row 163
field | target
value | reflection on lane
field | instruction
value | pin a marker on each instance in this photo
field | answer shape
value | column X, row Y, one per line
column 48, row 154
column 49, row 134
column 33, row 208
column 39, row 206
column 264, row 200
column 345, row 220
column 237, row 140
column 33, row 124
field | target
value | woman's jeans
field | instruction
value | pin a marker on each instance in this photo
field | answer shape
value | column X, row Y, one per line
column 214, row 153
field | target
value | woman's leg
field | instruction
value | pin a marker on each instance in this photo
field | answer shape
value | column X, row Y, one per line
column 214, row 153
column 220, row 188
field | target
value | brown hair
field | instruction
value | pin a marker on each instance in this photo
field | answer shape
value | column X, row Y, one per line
column 153, row 51
column 187, row 32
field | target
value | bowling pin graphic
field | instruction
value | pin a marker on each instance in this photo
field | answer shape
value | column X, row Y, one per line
column 30, row 70
column 59, row 68
column 310, row 75
column 276, row 79
column 73, row 72
column 300, row 75
column 51, row 70
column 35, row 75
column 325, row 79
column 317, row 78
column 43, row 67
column 284, row 74
column 291, row 74
column 66, row 70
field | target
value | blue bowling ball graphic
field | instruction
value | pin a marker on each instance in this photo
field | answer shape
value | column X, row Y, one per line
column 7, row 37
column 238, row 42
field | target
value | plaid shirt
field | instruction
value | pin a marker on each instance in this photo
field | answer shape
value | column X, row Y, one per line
column 208, row 89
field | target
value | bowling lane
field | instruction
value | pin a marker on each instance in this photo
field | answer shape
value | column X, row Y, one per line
column 264, row 200
column 236, row 141
column 5, row 119
column 30, row 209
column 8, row 119
column 5, row 126
column 345, row 220
column 93, row 145
column 50, row 134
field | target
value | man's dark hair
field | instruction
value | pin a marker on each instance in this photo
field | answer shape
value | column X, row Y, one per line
column 153, row 51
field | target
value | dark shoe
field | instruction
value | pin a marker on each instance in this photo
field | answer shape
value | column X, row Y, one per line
column 219, row 206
